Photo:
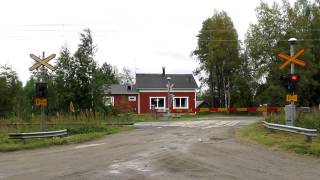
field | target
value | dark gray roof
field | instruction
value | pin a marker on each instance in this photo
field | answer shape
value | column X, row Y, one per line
column 198, row 103
column 120, row 89
column 202, row 103
column 159, row 81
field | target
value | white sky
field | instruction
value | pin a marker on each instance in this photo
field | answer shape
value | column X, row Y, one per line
column 146, row 34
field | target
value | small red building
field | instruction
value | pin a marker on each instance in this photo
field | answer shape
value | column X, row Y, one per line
column 151, row 93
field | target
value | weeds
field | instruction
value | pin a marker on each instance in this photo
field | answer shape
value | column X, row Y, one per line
column 280, row 140
column 78, row 131
column 306, row 120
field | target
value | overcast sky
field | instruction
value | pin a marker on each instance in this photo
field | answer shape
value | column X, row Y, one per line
column 143, row 35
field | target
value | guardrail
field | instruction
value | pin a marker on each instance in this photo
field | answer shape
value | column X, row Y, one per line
column 31, row 135
column 309, row 133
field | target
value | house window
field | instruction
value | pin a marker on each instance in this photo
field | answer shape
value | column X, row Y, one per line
column 132, row 98
column 157, row 102
column 180, row 103
column 108, row 100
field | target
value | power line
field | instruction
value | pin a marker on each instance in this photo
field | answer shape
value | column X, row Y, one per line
column 220, row 40
column 67, row 24
column 57, row 30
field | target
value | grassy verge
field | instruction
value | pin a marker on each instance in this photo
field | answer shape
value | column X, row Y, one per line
column 160, row 117
column 149, row 117
column 76, row 134
column 280, row 140
column 309, row 120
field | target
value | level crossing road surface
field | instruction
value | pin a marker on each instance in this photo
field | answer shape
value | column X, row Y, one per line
column 203, row 149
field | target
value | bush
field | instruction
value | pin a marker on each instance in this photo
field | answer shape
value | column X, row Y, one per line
column 306, row 120
column 310, row 120
column 276, row 118
column 86, row 130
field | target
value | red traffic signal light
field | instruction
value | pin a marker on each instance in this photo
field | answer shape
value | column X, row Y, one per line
column 294, row 77
column 290, row 82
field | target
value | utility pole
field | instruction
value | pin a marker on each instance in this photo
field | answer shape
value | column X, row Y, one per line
column 169, row 86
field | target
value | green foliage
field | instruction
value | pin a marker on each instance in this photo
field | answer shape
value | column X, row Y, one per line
column 84, row 71
column 276, row 118
column 76, row 134
column 306, row 120
column 10, row 92
column 218, row 54
column 65, row 83
column 272, row 95
column 310, row 120
column 265, row 39
column 79, row 79
column 86, row 129
column 280, row 140
column 251, row 77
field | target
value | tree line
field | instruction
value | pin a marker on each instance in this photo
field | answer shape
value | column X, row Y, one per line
column 237, row 74
column 78, row 79
column 232, row 73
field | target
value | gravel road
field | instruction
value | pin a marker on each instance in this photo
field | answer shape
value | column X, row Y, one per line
column 205, row 149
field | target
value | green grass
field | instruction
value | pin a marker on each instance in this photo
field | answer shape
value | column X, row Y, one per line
column 278, row 118
column 280, row 140
column 77, row 132
column 80, row 128
column 159, row 117
column 149, row 117
column 309, row 120
column 306, row 120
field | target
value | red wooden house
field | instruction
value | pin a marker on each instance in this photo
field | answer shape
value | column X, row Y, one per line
column 151, row 93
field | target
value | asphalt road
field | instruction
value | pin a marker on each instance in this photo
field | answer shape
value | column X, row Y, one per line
column 204, row 149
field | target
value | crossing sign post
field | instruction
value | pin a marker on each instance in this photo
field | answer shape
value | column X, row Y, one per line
column 290, row 110
column 41, row 87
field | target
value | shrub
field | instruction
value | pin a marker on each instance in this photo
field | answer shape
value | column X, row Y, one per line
column 307, row 120
column 310, row 120
column 276, row 118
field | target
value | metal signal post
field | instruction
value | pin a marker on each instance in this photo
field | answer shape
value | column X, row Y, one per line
column 41, row 87
column 292, row 42
column 290, row 110
column 290, row 81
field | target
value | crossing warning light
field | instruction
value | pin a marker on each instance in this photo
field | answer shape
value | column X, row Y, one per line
column 294, row 77
column 290, row 82
column 41, row 90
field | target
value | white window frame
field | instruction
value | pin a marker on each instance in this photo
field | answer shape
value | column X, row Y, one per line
column 180, row 97
column 111, row 100
column 158, row 97
column 132, row 98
